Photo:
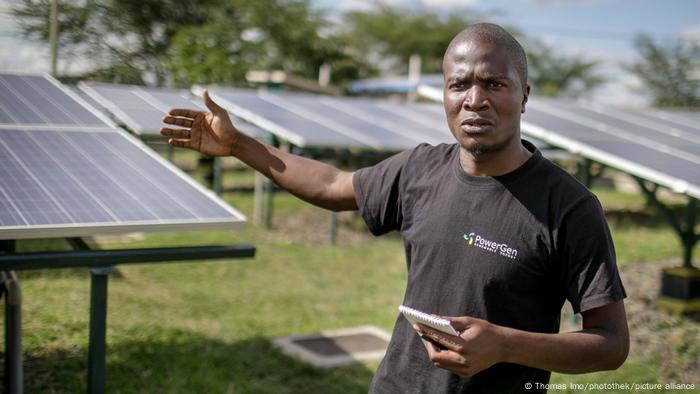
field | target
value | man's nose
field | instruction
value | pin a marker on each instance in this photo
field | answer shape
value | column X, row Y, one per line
column 476, row 99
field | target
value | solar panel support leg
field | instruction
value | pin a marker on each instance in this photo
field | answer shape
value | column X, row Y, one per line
column 584, row 172
column 13, row 324
column 269, row 188
column 98, row 329
column 217, row 176
column 333, row 231
column 689, row 237
column 686, row 232
column 13, row 333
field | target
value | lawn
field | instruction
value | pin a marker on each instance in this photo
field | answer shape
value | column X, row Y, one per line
column 205, row 326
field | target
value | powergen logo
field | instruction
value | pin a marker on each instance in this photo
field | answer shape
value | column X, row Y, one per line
column 490, row 246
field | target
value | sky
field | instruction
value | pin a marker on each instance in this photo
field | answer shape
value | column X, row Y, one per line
column 601, row 30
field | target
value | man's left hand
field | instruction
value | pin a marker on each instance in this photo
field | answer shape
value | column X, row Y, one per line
column 479, row 346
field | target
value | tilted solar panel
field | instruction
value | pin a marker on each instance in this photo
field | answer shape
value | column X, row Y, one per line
column 287, row 121
column 77, row 183
column 142, row 108
column 323, row 121
column 132, row 109
column 640, row 151
column 87, row 177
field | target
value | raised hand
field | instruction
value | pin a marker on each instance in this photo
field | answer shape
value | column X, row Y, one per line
column 211, row 133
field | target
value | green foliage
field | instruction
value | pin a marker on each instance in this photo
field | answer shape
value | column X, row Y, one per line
column 261, row 35
column 666, row 72
column 394, row 34
column 552, row 74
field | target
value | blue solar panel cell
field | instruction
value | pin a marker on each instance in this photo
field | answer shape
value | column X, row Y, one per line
column 178, row 199
column 24, row 191
column 36, row 152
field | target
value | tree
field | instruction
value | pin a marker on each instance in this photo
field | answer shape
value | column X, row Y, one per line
column 117, row 36
column 666, row 72
column 264, row 35
column 551, row 74
column 387, row 37
column 75, row 24
column 190, row 41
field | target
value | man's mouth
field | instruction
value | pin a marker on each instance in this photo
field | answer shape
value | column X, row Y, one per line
column 476, row 125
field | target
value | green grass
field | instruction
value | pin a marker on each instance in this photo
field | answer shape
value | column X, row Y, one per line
column 206, row 326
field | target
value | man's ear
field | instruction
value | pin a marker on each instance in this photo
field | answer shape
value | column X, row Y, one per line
column 526, row 94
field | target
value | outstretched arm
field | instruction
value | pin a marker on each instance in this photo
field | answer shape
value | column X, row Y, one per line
column 602, row 344
column 213, row 133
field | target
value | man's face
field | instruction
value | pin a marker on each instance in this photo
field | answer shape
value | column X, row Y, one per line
column 484, row 96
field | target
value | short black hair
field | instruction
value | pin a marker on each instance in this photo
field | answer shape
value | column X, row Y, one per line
column 494, row 34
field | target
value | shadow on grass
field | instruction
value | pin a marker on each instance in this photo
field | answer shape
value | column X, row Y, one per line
column 172, row 361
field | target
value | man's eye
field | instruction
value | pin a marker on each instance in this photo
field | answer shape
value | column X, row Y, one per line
column 495, row 84
column 458, row 85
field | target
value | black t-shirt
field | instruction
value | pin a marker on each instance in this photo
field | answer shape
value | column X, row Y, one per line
column 508, row 249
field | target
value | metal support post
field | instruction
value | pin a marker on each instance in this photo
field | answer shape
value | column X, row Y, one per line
column 13, row 325
column 217, row 176
column 690, row 238
column 584, row 172
column 98, row 329
column 333, row 230
column 686, row 233
column 258, row 198
column 269, row 188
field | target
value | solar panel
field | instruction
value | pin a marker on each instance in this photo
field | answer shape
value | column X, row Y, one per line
column 640, row 150
column 287, row 123
column 39, row 101
column 141, row 109
column 76, row 183
column 61, row 180
column 324, row 121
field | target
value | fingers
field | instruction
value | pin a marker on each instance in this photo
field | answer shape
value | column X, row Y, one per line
column 213, row 107
column 184, row 112
column 448, row 341
column 181, row 143
column 184, row 122
column 175, row 133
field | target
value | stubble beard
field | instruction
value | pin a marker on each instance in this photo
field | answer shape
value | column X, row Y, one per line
column 478, row 149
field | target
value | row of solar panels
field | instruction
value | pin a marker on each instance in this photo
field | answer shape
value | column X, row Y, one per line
column 66, row 170
column 660, row 146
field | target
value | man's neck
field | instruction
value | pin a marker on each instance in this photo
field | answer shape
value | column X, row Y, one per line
column 501, row 162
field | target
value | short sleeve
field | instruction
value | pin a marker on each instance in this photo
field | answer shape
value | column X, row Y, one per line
column 591, row 275
column 378, row 193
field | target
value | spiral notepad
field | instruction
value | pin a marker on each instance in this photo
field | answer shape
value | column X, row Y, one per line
column 415, row 316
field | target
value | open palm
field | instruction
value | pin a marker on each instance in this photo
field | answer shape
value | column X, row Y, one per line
column 211, row 133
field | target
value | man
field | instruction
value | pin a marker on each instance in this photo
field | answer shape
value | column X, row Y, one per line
column 494, row 233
